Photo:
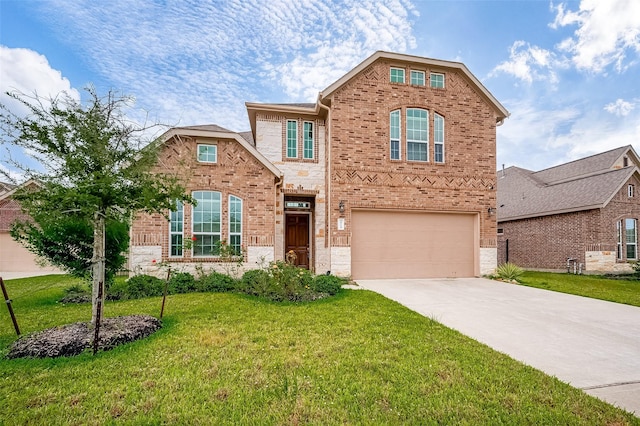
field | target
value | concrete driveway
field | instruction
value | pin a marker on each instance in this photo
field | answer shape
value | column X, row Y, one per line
column 591, row 344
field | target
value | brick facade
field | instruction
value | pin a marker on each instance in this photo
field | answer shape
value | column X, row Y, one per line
column 363, row 175
column 237, row 172
column 350, row 167
column 589, row 236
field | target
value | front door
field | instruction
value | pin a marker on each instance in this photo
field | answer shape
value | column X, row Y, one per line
column 297, row 238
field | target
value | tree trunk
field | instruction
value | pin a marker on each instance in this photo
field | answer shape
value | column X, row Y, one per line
column 98, row 263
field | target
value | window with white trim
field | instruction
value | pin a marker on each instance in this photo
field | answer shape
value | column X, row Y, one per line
column 394, row 134
column 207, row 153
column 307, row 142
column 630, row 190
column 292, row 139
column 397, row 75
column 438, row 138
column 417, row 78
column 619, row 240
column 176, row 230
column 417, row 134
column 436, row 80
column 235, row 224
column 206, row 223
column 631, row 238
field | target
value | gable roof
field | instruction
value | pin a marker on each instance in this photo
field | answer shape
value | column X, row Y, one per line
column 583, row 184
column 214, row 131
column 15, row 188
column 501, row 111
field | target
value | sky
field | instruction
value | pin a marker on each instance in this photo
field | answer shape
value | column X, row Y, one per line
column 568, row 72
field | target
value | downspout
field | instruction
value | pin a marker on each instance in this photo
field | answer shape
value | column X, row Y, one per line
column 279, row 182
column 327, row 142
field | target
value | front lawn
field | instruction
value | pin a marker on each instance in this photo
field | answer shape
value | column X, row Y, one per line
column 597, row 287
column 223, row 358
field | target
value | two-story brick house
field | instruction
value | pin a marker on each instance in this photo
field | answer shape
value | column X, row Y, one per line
column 389, row 174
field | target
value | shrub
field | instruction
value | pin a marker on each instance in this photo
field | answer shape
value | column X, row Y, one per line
column 509, row 271
column 182, row 282
column 140, row 286
column 258, row 282
column 216, row 282
column 329, row 284
column 76, row 294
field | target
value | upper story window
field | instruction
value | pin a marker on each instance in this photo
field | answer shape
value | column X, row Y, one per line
column 417, row 78
column 176, row 230
column 417, row 134
column 436, row 80
column 397, row 75
column 625, row 162
column 630, row 190
column 292, row 139
column 394, row 134
column 307, row 143
column 207, row 153
column 206, row 223
column 438, row 138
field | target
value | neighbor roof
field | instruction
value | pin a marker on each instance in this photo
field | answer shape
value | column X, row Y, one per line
column 584, row 184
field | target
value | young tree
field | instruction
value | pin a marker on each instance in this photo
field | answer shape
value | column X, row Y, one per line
column 97, row 167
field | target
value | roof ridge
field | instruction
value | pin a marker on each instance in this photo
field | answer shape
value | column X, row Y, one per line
column 589, row 175
column 584, row 158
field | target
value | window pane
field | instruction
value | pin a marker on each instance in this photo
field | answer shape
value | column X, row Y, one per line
column 292, row 139
column 175, row 229
column 394, row 131
column 397, row 75
column 417, row 78
column 207, row 153
column 205, row 245
column 206, row 222
column 417, row 134
column 308, row 140
column 438, row 135
column 630, row 226
column 437, row 81
column 176, row 245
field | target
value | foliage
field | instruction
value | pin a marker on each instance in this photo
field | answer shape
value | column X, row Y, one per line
column 636, row 268
column 94, row 167
column 65, row 241
column 137, row 287
column 280, row 281
column 76, row 293
column 181, row 282
column 361, row 359
column 329, row 284
column 215, row 282
column 509, row 271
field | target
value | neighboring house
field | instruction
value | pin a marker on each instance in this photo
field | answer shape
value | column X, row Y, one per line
column 584, row 212
column 389, row 174
column 15, row 259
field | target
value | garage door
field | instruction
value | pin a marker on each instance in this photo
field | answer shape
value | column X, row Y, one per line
column 391, row 244
column 15, row 258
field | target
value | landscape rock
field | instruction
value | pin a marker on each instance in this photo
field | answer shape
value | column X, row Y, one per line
column 73, row 339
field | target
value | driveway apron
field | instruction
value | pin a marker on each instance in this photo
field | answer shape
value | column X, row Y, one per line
column 592, row 344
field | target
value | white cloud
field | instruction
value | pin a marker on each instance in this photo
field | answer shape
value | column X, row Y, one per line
column 608, row 33
column 24, row 71
column 620, row 107
column 530, row 63
column 199, row 62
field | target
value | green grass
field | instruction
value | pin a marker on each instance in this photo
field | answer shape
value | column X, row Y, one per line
column 597, row 287
column 357, row 358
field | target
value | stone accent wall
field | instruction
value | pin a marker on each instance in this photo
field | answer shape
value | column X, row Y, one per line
column 302, row 177
column 488, row 260
column 341, row 261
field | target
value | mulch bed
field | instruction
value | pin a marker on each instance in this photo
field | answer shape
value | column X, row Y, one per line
column 73, row 339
